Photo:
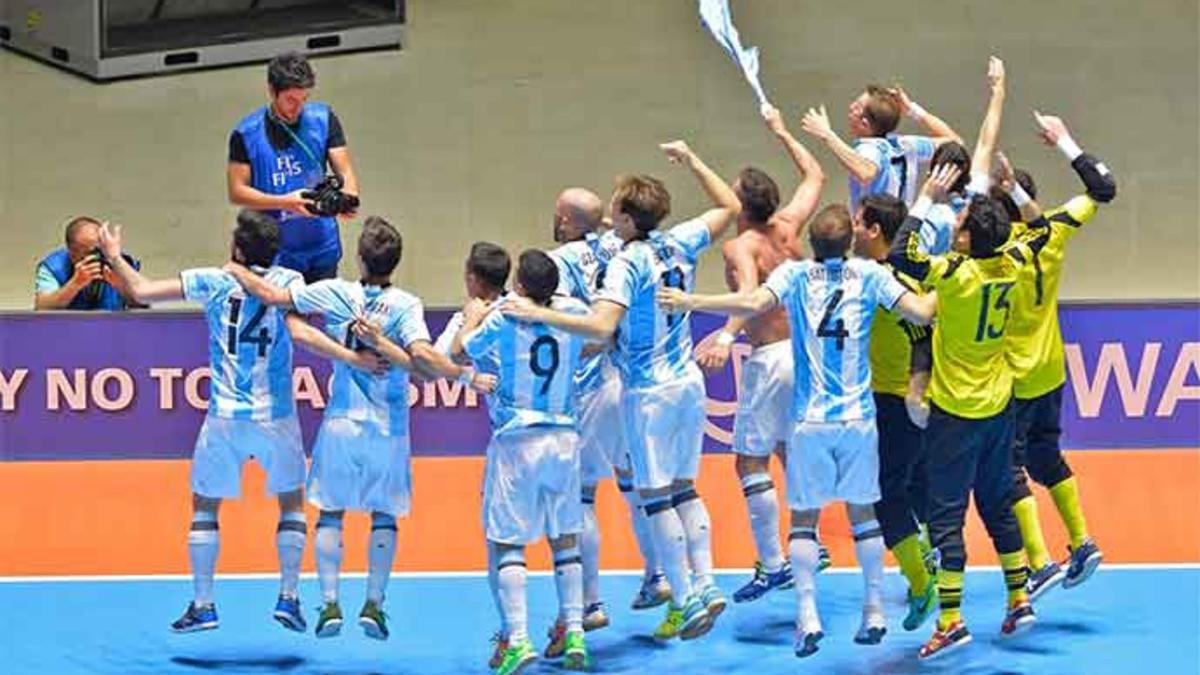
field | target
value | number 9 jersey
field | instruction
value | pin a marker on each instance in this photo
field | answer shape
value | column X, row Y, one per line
column 654, row 347
column 249, row 347
column 537, row 372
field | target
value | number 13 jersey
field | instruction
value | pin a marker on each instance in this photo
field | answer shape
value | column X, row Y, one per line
column 249, row 347
column 830, row 305
column 654, row 347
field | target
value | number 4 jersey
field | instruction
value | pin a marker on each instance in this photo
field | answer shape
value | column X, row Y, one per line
column 537, row 368
column 831, row 305
column 249, row 347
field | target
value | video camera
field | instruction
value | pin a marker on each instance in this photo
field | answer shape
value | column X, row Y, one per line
column 328, row 199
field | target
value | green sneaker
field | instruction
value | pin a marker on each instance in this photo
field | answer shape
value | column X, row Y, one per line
column 516, row 657
column 576, row 655
column 329, row 623
column 920, row 607
column 373, row 621
column 687, row 622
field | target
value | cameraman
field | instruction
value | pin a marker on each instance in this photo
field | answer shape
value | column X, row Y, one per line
column 76, row 277
column 278, row 155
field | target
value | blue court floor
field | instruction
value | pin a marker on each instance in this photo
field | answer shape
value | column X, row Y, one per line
column 1121, row 621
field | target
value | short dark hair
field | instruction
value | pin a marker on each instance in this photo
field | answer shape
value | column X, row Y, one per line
column 75, row 224
column 538, row 275
column 831, row 232
column 882, row 110
column 955, row 153
column 886, row 211
column 257, row 237
column 380, row 247
column 490, row 264
column 290, row 70
column 988, row 224
column 758, row 194
column 644, row 199
column 1026, row 182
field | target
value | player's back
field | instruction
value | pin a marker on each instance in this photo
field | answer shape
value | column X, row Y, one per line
column 654, row 346
column 537, row 367
column 381, row 401
column 250, row 349
column 898, row 159
column 770, row 247
column 581, row 267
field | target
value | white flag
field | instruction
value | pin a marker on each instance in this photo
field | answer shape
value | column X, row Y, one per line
column 714, row 14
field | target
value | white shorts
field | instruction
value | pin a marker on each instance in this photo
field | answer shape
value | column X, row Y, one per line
column 833, row 461
column 664, row 426
column 602, row 431
column 224, row 445
column 355, row 467
column 764, row 413
column 531, row 486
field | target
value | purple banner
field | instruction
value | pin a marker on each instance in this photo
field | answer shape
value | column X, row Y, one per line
column 76, row 386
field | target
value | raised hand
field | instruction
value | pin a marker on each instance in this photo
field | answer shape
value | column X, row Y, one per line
column 677, row 152
column 773, row 118
column 995, row 75
column 110, row 240
column 1050, row 128
column 1002, row 172
column 940, row 181
column 816, row 123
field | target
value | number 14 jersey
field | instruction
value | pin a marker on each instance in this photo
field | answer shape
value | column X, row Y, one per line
column 830, row 305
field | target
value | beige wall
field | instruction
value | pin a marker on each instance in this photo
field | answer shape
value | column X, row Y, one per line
column 494, row 105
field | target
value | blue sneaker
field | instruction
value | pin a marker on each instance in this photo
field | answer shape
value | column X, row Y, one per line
column 1084, row 560
column 763, row 582
column 920, row 607
column 287, row 613
column 1042, row 580
column 824, row 560
column 807, row 643
column 196, row 619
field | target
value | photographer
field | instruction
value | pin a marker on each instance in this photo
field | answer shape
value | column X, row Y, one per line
column 76, row 277
column 287, row 159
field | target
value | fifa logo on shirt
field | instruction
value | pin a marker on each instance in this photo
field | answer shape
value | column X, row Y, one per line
column 286, row 166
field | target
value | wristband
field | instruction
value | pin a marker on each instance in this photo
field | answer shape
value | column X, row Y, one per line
column 980, row 182
column 725, row 338
column 1019, row 196
column 466, row 375
column 1069, row 147
column 915, row 111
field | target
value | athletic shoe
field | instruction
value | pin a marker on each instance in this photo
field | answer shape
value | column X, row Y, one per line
column 373, row 621
column 329, row 623
column 714, row 601
column 872, row 630
column 920, row 607
column 654, row 591
column 501, row 641
column 595, row 616
column 823, row 558
column 1019, row 619
column 687, row 622
column 576, row 655
column 807, row 643
column 1084, row 560
column 763, row 582
column 516, row 657
column 945, row 641
column 287, row 613
column 558, row 640
column 1042, row 580
column 196, row 619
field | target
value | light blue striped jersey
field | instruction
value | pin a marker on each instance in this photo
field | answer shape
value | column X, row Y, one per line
column 830, row 305
column 537, row 368
column 249, row 347
column 936, row 236
column 654, row 347
column 898, row 160
column 379, row 401
column 581, row 269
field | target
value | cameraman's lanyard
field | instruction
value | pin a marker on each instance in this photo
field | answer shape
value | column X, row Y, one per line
column 303, row 146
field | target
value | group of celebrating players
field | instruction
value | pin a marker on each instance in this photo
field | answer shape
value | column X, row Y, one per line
column 909, row 358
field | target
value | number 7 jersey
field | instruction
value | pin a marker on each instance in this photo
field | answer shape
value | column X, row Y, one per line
column 249, row 347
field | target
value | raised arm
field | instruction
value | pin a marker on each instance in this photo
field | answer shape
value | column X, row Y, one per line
column 267, row 292
column 933, row 125
column 754, row 302
column 906, row 254
column 816, row 123
column 989, row 131
column 812, row 178
column 726, row 202
column 1095, row 175
column 142, row 289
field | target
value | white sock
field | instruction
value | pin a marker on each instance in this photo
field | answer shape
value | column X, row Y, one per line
column 670, row 545
column 568, row 580
column 329, row 553
column 381, row 551
column 589, row 548
column 868, row 548
column 510, row 577
column 763, row 505
column 493, row 563
column 803, row 550
column 203, row 545
column 698, row 527
column 289, row 541
column 641, row 528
